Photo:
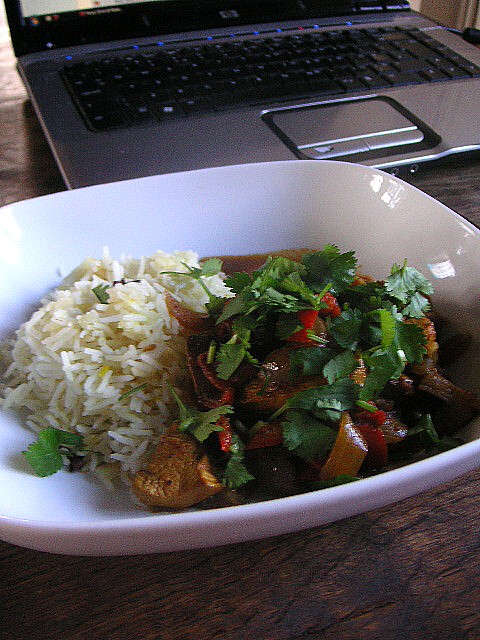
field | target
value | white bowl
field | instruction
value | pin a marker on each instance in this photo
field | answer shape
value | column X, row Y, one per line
column 240, row 209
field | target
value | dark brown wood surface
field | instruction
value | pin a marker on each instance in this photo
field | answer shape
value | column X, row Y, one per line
column 408, row 571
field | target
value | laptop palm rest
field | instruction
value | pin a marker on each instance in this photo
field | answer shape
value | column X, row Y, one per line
column 348, row 128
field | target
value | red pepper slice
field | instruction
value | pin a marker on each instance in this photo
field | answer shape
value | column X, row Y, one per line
column 377, row 455
column 225, row 437
column 375, row 418
column 307, row 318
column 332, row 309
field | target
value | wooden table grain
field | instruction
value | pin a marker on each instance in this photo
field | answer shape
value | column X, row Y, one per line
column 409, row 571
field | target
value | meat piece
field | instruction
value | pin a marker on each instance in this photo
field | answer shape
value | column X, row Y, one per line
column 456, row 406
column 251, row 262
column 274, row 384
column 178, row 475
column 190, row 321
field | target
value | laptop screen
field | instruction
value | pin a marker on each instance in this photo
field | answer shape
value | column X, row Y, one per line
column 51, row 9
column 42, row 25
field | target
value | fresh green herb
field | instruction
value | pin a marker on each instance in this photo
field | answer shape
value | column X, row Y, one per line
column 324, row 402
column 200, row 424
column 409, row 287
column 231, row 354
column 340, row 366
column 307, row 436
column 425, row 430
column 331, row 267
column 46, row 455
column 277, row 286
column 212, row 348
column 346, row 329
column 402, row 343
column 236, row 474
column 309, row 361
column 101, row 291
column 366, row 406
column 133, row 390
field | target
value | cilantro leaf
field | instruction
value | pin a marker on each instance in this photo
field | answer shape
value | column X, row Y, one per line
column 101, row 291
column 433, row 443
column 238, row 281
column 231, row 354
column 340, row 366
column 400, row 342
column 209, row 267
column 329, row 266
column 45, row 454
column 384, row 365
column 345, row 329
column 417, row 306
column 325, row 401
column 277, row 286
column 309, row 361
column 410, row 287
column 387, row 327
column 411, row 340
column 307, row 436
column 200, row 424
column 236, row 473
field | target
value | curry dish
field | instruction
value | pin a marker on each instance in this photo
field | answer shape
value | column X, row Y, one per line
column 311, row 375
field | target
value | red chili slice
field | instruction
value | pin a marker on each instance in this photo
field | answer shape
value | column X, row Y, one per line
column 333, row 308
column 225, row 437
column 377, row 455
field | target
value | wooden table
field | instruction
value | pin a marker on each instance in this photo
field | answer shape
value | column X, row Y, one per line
column 406, row 572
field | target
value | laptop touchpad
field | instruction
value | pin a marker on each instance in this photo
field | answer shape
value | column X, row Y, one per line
column 346, row 127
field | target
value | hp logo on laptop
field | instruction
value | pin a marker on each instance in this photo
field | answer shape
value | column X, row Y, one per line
column 229, row 13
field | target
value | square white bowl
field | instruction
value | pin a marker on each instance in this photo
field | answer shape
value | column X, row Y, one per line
column 228, row 210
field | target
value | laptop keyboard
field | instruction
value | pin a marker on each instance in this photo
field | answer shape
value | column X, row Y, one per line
column 175, row 82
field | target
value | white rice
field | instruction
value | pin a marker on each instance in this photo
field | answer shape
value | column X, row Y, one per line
column 71, row 364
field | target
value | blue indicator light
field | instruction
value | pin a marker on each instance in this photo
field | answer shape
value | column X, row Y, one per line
column 160, row 44
column 279, row 30
column 68, row 57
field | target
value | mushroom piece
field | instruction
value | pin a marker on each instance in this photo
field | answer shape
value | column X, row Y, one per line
column 178, row 475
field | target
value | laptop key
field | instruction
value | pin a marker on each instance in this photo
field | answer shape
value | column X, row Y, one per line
column 373, row 81
column 471, row 69
column 110, row 120
column 168, row 111
column 433, row 75
column 196, row 106
column 138, row 110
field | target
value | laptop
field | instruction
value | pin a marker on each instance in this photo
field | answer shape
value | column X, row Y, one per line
column 127, row 88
